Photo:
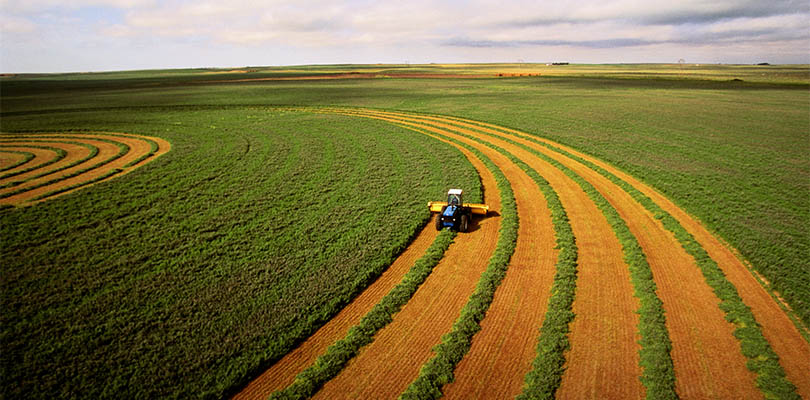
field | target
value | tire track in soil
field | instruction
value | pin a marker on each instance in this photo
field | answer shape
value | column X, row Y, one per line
column 138, row 147
column 604, row 355
column 283, row 372
column 707, row 357
column 385, row 368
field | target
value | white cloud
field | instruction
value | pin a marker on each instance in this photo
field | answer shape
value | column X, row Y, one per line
column 9, row 24
column 470, row 30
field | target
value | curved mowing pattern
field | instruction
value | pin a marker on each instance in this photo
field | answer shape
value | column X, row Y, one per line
column 54, row 164
column 10, row 159
column 679, row 304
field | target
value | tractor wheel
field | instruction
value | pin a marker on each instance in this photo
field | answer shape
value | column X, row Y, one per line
column 439, row 220
column 465, row 221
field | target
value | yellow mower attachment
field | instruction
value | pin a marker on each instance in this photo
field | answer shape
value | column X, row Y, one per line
column 453, row 213
column 479, row 209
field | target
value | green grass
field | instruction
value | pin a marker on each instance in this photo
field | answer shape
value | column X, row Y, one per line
column 187, row 235
column 195, row 272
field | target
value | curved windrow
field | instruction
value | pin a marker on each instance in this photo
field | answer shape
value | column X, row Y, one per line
column 681, row 293
column 41, row 166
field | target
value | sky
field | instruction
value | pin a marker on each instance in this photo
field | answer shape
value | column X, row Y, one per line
column 106, row 35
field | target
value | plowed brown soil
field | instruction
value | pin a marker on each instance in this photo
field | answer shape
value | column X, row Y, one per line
column 138, row 146
column 282, row 373
column 604, row 355
column 385, row 368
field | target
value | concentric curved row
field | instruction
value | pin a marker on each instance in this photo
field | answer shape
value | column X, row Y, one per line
column 640, row 301
column 40, row 166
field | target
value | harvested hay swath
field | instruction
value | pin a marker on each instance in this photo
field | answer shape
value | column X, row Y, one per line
column 40, row 166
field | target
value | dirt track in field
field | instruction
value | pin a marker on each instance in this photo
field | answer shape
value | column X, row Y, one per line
column 603, row 359
column 77, row 169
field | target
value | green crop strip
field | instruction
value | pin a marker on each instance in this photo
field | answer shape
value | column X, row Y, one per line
column 546, row 375
column 328, row 365
column 26, row 158
column 762, row 360
column 60, row 154
column 123, row 150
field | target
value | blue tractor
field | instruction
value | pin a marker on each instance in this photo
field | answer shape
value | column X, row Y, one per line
column 453, row 213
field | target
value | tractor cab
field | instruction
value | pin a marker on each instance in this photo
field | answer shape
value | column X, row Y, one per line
column 454, row 198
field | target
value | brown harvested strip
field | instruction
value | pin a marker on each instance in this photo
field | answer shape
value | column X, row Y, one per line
column 283, row 372
column 163, row 147
column 603, row 360
column 7, row 158
column 707, row 357
column 385, row 368
column 138, row 146
column 604, row 341
column 41, row 156
column 503, row 350
column 351, row 75
column 74, row 153
column 782, row 334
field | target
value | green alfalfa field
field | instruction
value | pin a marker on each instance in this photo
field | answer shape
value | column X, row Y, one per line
column 187, row 276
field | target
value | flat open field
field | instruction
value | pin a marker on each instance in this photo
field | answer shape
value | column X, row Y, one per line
column 256, row 232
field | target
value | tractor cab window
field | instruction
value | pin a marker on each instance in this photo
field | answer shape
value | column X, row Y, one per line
column 454, row 200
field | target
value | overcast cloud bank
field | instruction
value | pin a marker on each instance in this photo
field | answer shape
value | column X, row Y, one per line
column 82, row 35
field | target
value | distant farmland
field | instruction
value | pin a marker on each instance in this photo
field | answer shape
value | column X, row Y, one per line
column 258, row 232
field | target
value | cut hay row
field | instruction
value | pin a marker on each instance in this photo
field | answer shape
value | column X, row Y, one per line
column 504, row 334
column 10, row 159
column 76, row 160
column 401, row 348
column 782, row 375
column 43, row 157
column 313, row 372
column 656, row 258
column 545, row 377
column 334, row 359
column 73, row 153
